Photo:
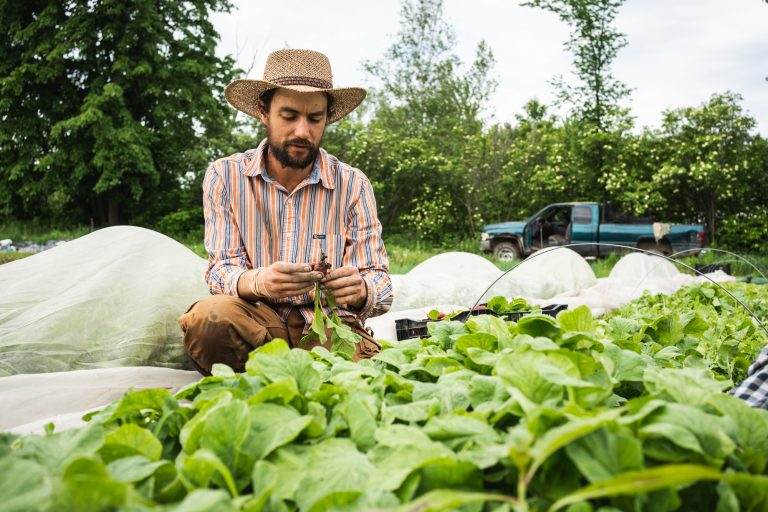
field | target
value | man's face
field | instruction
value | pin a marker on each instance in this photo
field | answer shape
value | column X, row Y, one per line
column 295, row 124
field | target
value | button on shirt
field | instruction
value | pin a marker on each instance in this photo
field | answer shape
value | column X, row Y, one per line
column 252, row 221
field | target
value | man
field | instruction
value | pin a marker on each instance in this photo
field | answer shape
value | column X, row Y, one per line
column 273, row 211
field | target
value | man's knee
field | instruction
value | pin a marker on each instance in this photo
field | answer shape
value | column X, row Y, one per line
column 221, row 329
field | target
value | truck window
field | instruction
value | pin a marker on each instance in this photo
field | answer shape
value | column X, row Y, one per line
column 582, row 215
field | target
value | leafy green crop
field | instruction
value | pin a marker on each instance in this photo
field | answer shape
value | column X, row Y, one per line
column 343, row 339
column 572, row 413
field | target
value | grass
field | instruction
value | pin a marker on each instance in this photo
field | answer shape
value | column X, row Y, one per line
column 39, row 234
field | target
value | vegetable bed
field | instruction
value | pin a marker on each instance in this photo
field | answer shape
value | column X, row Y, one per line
column 623, row 413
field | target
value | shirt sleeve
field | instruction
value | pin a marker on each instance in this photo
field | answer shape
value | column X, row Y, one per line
column 365, row 250
column 754, row 389
column 227, row 258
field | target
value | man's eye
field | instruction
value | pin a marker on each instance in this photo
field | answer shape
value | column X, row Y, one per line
column 315, row 119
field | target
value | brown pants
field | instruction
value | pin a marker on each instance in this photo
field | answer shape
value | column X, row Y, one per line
column 225, row 329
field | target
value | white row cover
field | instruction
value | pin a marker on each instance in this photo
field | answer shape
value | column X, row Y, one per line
column 85, row 321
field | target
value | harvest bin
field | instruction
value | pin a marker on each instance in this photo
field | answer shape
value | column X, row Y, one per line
column 407, row 328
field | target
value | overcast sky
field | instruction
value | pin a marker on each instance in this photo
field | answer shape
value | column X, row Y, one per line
column 680, row 52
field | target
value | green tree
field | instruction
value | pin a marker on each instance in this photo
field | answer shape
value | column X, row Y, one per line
column 711, row 168
column 427, row 116
column 108, row 108
column 597, row 123
column 594, row 43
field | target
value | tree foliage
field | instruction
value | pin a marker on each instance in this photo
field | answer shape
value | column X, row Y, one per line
column 108, row 107
column 111, row 111
column 594, row 43
column 705, row 164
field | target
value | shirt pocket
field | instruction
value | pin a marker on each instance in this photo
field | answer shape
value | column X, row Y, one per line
column 332, row 245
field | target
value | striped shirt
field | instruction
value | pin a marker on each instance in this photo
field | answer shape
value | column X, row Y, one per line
column 754, row 389
column 252, row 221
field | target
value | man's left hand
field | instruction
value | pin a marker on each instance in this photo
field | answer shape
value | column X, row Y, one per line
column 347, row 286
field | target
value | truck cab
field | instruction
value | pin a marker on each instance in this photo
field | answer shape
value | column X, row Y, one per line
column 590, row 224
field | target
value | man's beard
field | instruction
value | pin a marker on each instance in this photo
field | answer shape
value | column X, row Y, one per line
column 285, row 159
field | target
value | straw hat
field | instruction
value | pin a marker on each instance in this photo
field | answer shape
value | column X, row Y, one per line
column 298, row 70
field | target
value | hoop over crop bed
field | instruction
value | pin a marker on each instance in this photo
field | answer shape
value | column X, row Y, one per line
column 626, row 413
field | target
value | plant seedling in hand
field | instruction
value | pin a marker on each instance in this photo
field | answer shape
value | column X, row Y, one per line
column 343, row 339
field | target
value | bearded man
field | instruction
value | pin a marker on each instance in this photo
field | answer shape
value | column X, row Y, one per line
column 271, row 212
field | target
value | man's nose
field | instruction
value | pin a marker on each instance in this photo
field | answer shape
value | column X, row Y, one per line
column 302, row 128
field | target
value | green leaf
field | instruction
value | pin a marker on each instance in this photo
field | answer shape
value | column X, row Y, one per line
column 454, row 475
column 684, row 385
column 400, row 451
column 137, row 404
column 689, row 428
column 539, row 325
column 223, row 371
column 489, row 325
column 206, row 500
column 290, row 462
column 519, row 371
column 343, row 338
column 623, row 365
column 482, row 357
column 24, row 486
column 440, row 500
column 264, row 481
column 224, row 434
column 480, row 340
column 202, row 467
column 54, row 451
column 295, row 364
column 604, row 454
column 128, row 440
column 275, row 347
column 332, row 466
column 641, row 482
column 272, row 426
column 751, row 490
column 282, row 390
column 417, row 411
column 447, row 331
column 134, row 468
column 579, row 319
column 555, row 438
column 747, row 426
column 456, row 430
column 88, row 486
column 360, row 412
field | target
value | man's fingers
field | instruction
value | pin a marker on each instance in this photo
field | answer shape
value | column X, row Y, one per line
column 341, row 272
column 286, row 267
column 343, row 285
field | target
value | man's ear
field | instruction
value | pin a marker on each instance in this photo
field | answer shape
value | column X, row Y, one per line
column 263, row 114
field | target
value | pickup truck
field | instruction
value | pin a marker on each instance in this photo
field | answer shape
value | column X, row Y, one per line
column 583, row 222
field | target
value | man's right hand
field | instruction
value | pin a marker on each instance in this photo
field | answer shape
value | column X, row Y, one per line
column 283, row 279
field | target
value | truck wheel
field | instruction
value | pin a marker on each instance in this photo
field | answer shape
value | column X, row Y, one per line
column 506, row 251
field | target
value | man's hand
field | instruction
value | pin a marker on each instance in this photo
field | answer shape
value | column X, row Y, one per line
column 347, row 286
column 281, row 280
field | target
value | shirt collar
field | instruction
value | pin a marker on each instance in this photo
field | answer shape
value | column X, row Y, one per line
column 255, row 165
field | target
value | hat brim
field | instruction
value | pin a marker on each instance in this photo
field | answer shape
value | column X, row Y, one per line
column 243, row 94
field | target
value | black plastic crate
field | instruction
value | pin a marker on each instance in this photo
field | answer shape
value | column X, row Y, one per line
column 407, row 328
column 706, row 268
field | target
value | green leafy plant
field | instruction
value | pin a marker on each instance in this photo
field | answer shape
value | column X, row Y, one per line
column 568, row 413
column 342, row 338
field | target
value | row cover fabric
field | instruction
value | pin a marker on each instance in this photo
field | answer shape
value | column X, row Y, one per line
column 108, row 299
column 29, row 402
column 464, row 279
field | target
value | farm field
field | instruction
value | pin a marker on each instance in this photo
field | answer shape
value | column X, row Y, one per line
column 629, row 411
